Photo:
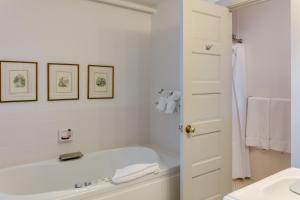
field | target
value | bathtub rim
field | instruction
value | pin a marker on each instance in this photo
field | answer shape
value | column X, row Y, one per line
column 101, row 188
column 85, row 155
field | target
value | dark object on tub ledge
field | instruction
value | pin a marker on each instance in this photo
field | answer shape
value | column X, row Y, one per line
column 70, row 156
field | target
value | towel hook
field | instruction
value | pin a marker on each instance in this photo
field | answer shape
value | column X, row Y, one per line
column 161, row 91
column 209, row 47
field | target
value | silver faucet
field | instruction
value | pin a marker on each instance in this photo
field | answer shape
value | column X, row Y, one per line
column 85, row 184
column 70, row 156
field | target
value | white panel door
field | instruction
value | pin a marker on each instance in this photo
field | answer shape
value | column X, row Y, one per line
column 206, row 104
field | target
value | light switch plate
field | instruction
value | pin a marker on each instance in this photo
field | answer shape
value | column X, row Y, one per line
column 65, row 136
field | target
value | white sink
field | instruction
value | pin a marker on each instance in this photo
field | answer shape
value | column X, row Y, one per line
column 276, row 187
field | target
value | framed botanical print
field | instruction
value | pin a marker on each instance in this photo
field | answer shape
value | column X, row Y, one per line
column 18, row 81
column 100, row 82
column 63, row 81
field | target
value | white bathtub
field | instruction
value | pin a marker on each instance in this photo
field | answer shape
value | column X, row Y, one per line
column 54, row 180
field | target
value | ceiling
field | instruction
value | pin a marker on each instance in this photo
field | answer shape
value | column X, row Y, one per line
column 151, row 3
column 154, row 3
column 237, row 3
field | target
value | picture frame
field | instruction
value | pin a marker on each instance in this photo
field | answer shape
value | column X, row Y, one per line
column 18, row 81
column 63, row 81
column 101, row 82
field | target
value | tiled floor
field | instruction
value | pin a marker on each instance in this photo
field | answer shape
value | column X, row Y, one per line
column 240, row 183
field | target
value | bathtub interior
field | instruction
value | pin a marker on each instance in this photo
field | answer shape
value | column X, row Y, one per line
column 51, row 176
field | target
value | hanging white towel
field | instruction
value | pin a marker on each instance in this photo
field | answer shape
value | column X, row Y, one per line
column 175, row 96
column 258, row 123
column 240, row 152
column 134, row 172
column 280, row 125
column 171, row 107
column 173, row 102
column 162, row 104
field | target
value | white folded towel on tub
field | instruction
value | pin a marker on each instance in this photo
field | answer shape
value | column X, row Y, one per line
column 133, row 172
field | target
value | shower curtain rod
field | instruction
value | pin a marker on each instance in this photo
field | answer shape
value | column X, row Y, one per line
column 236, row 39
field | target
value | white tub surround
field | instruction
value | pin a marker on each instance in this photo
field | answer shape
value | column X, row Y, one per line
column 57, row 180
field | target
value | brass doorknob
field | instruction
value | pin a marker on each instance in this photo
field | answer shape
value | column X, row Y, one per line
column 190, row 130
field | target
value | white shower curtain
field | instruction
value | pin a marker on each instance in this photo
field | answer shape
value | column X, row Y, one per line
column 240, row 152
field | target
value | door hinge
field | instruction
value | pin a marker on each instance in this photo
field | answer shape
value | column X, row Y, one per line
column 180, row 127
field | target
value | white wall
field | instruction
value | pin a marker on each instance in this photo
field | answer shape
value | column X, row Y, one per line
column 83, row 32
column 165, row 69
column 265, row 29
column 295, row 41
